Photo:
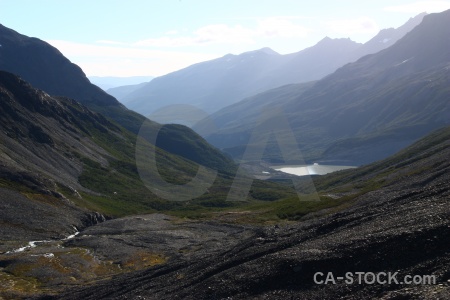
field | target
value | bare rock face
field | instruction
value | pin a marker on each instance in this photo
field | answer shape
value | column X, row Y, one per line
column 39, row 217
column 93, row 218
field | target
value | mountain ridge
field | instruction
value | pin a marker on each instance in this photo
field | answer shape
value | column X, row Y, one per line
column 214, row 84
column 45, row 68
column 108, row 82
column 382, row 99
column 29, row 57
column 63, row 148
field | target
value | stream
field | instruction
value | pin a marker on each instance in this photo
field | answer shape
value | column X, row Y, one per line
column 34, row 244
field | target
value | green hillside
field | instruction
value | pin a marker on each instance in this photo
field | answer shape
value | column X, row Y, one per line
column 69, row 151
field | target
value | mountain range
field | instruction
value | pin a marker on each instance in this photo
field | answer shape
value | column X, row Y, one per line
column 57, row 146
column 61, row 162
column 70, row 139
column 122, row 91
column 28, row 57
column 77, row 220
column 45, row 68
column 221, row 82
column 109, row 82
column 364, row 111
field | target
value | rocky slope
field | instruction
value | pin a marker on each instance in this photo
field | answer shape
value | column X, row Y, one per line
column 42, row 134
column 396, row 219
column 30, row 217
column 57, row 147
column 64, row 167
column 46, row 68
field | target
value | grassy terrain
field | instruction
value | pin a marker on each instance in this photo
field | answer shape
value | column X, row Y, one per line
column 338, row 190
column 109, row 181
column 109, row 178
column 268, row 203
column 119, row 190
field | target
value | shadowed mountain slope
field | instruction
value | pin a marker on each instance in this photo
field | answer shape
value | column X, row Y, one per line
column 71, row 151
column 365, row 110
column 46, row 68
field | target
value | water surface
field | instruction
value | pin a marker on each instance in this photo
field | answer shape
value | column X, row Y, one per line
column 314, row 169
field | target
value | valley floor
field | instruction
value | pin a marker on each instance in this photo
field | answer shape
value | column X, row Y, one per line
column 393, row 218
column 400, row 228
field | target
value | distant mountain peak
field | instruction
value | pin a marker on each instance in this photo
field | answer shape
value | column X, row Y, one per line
column 409, row 25
column 413, row 21
column 268, row 50
column 327, row 40
column 419, row 16
column 265, row 50
column 214, row 84
column 389, row 36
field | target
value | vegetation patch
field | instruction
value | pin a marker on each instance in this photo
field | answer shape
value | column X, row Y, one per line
column 36, row 272
column 143, row 259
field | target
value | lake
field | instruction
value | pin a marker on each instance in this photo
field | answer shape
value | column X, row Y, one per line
column 314, row 169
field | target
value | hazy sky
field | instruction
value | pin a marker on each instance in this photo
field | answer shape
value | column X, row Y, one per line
column 154, row 37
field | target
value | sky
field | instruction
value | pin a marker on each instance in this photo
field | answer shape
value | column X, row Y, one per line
column 156, row 37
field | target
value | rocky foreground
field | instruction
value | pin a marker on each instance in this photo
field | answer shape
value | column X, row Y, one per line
column 385, row 232
column 403, row 227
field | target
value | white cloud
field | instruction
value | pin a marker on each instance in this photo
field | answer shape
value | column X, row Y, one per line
column 107, row 42
column 108, row 60
column 221, row 33
column 166, row 42
column 420, row 6
column 282, row 27
column 210, row 34
column 349, row 27
column 172, row 32
column 148, row 57
column 273, row 27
